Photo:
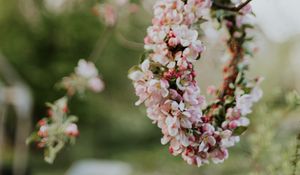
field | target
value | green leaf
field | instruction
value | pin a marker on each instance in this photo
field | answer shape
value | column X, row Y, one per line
column 248, row 26
column 229, row 100
column 239, row 130
column 143, row 57
column 72, row 119
column 239, row 78
column 33, row 137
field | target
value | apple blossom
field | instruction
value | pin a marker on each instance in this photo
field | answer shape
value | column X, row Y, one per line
column 165, row 82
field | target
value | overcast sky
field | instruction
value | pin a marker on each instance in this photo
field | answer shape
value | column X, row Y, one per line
column 279, row 19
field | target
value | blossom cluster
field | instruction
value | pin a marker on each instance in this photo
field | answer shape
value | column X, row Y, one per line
column 86, row 76
column 165, row 83
column 59, row 128
column 56, row 129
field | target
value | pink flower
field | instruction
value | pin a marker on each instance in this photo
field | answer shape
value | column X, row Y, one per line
column 168, row 12
column 72, row 130
column 43, row 131
column 219, row 155
column 141, row 92
column 156, row 34
column 234, row 119
column 96, row 84
column 108, row 13
column 196, row 9
column 191, row 95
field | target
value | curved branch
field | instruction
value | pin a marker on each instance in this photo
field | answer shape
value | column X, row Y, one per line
column 230, row 8
column 101, row 44
column 128, row 43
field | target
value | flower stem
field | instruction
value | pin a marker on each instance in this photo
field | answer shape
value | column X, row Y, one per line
column 101, row 44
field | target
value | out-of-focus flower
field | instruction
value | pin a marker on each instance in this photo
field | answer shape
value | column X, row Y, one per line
column 60, row 128
column 96, row 84
column 86, row 76
column 110, row 12
column 211, row 90
column 56, row 130
column 86, row 69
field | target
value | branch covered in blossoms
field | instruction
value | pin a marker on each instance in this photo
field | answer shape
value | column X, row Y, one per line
column 165, row 81
column 59, row 128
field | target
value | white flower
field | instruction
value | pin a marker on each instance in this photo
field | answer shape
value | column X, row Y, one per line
column 157, row 34
column 136, row 75
column 185, row 35
column 86, row 69
column 141, row 74
column 173, row 125
column 256, row 94
column 244, row 103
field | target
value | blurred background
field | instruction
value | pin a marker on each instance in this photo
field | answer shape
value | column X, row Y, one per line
column 42, row 40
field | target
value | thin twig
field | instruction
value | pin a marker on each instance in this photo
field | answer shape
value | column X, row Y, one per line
column 101, row 44
column 297, row 155
column 128, row 43
column 2, row 134
column 230, row 8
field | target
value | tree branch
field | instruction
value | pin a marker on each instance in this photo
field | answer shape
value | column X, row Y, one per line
column 230, row 8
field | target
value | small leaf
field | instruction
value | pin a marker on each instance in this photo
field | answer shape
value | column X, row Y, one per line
column 72, row 119
column 239, row 130
column 229, row 100
column 134, row 68
column 33, row 137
